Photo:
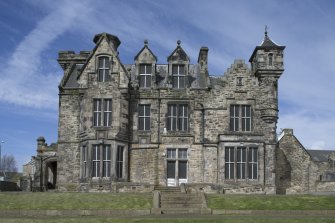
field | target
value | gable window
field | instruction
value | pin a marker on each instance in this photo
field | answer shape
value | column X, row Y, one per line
column 101, row 161
column 240, row 118
column 241, row 163
column 144, row 117
column 177, row 119
column 119, row 161
column 178, row 75
column 102, row 112
column 145, row 75
column 103, row 69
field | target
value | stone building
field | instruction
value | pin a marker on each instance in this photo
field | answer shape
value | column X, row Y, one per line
column 167, row 124
column 136, row 126
column 303, row 171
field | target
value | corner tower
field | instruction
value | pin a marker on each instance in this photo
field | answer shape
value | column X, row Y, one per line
column 267, row 65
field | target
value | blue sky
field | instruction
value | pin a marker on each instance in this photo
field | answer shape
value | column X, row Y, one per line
column 32, row 33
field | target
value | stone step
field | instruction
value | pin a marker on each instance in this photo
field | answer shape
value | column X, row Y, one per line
column 167, row 189
column 173, row 211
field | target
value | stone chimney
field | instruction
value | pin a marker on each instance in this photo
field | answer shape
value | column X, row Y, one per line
column 288, row 132
column 113, row 40
column 203, row 59
column 40, row 144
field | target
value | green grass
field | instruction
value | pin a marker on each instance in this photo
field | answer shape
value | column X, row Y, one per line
column 270, row 202
column 74, row 201
column 162, row 219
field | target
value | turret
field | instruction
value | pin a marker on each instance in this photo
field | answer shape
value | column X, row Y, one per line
column 267, row 65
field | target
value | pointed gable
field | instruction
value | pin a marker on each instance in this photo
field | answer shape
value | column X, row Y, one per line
column 145, row 55
column 178, row 54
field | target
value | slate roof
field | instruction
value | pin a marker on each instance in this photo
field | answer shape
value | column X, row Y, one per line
column 320, row 155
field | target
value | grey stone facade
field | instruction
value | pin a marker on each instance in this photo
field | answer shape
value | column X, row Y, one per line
column 303, row 171
column 193, row 120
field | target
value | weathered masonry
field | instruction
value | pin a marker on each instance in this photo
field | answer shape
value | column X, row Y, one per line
column 134, row 126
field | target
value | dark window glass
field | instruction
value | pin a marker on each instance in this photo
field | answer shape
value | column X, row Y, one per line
column 229, row 162
column 106, row 165
column 171, row 169
column 253, row 163
column 97, row 112
column 96, row 161
column 144, row 117
column 103, row 69
column 178, row 74
column 241, row 163
column 182, row 170
column 119, row 162
column 107, row 112
column 145, row 75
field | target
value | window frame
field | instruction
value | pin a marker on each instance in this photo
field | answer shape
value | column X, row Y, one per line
column 119, row 162
column 84, row 158
column 104, row 68
column 101, row 165
column 240, row 118
column 177, row 122
column 102, row 114
column 144, row 117
column 147, row 76
column 241, row 167
column 178, row 76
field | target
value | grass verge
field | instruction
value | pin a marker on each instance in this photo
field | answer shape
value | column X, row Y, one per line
column 74, row 201
column 270, row 202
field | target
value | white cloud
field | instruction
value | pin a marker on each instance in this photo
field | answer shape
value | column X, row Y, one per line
column 23, row 79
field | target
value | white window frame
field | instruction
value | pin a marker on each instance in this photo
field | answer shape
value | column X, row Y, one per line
column 144, row 117
column 179, row 76
column 174, row 118
column 104, row 68
column 145, row 75
column 96, row 161
column 252, row 163
column 102, row 111
column 230, row 162
column 239, row 164
column 239, row 120
column 106, row 162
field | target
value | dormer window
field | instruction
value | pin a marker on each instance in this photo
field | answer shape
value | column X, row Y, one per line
column 103, row 69
column 145, row 75
column 178, row 74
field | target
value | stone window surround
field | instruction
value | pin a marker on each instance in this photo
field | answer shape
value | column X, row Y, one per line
column 103, row 99
column 111, row 62
column 145, row 74
column 144, row 117
column 113, row 145
column 241, row 103
column 247, row 144
column 178, row 76
column 178, row 103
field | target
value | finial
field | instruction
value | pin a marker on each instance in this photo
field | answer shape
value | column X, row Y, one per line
column 266, row 31
column 146, row 42
column 178, row 42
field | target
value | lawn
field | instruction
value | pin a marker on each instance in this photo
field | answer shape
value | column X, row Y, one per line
column 169, row 219
column 270, row 202
column 74, row 201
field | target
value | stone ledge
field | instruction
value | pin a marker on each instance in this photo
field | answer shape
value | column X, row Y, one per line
column 73, row 213
column 274, row 212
